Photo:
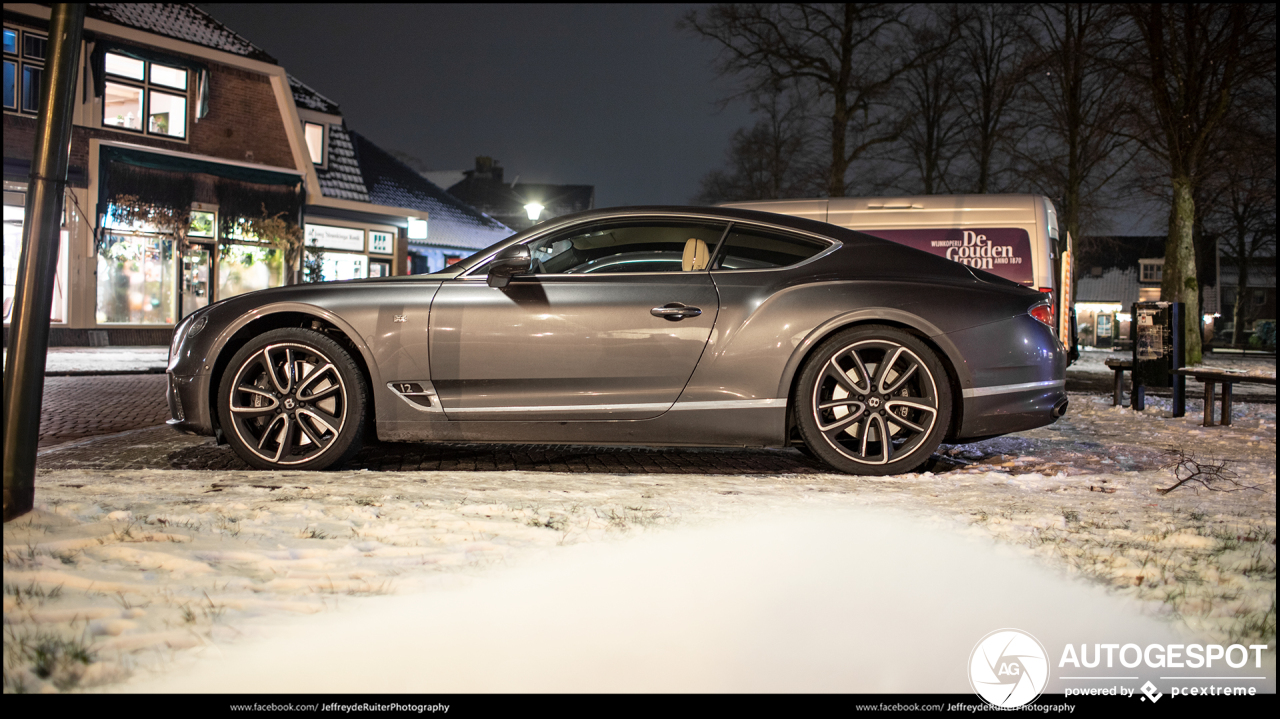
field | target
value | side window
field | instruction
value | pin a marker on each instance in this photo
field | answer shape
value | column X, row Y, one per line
column 631, row 247
column 751, row 249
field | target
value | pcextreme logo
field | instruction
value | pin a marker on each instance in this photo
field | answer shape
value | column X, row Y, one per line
column 1008, row 668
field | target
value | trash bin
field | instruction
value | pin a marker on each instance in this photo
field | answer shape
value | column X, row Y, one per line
column 1159, row 348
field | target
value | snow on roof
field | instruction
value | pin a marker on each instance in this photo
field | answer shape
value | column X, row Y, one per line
column 181, row 21
column 342, row 179
column 1113, row 285
column 361, row 171
column 451, row 221
column 307, row 97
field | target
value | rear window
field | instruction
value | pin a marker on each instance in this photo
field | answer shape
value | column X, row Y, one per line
column 748, row 248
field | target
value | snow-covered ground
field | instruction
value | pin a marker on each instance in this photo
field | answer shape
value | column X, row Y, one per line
column 1090, row 371
column 153, row 580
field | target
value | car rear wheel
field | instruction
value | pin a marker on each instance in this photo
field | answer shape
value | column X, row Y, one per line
column 293, row 399
column 873, row 400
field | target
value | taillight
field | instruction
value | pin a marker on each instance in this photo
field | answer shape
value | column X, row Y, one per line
column 1042, row 312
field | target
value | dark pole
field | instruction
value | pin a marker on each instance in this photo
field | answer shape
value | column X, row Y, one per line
column 1176, row 318
column 29, row 328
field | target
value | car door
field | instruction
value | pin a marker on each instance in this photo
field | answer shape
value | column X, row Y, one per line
column 610, row 326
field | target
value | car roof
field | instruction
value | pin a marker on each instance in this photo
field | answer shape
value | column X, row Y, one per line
column 724, row 214
column 729, row 214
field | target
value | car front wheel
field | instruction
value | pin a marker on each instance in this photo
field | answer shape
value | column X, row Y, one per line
column 293, row 399
column 873, row 400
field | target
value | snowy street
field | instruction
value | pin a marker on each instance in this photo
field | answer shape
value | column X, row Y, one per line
column 124, row 577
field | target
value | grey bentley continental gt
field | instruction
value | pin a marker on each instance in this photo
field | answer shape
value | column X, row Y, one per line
column 676, row 326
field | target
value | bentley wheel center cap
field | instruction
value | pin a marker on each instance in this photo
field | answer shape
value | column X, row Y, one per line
column 288, row 403
column 874, row 402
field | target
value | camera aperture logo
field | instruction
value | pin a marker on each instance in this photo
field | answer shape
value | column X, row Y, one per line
column 1008, row 668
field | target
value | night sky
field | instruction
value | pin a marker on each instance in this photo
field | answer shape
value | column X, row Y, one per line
column 605, row 95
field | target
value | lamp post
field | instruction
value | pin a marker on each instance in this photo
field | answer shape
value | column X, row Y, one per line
column 29, row 330
column 534, row 209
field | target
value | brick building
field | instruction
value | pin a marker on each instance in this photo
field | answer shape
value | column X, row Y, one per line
column 184, row 135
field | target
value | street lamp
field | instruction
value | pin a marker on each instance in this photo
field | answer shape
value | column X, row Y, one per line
column 534, row 209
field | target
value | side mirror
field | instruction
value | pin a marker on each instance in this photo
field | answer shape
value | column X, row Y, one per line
column 515, row 260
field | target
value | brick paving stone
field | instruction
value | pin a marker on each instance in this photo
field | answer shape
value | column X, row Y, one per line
column 164, row 448
column 79, row 407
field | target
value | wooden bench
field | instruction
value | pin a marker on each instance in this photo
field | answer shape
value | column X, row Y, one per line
column 1212, row 377
column 1119, row 366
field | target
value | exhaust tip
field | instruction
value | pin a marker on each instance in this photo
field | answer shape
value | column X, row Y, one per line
column 1060, row 408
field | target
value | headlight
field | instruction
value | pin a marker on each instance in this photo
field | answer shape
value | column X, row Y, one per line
column 201, row 322
column 185, row 329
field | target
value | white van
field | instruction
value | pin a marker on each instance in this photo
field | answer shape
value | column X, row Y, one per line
column 1013, row 236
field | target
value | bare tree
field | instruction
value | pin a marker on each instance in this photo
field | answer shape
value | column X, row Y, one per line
column 932, row 119
column 846, row 57
column 1239, row 207
column 993, row 52
column 767, row 161
column 1187, row 62
column 1072, row 149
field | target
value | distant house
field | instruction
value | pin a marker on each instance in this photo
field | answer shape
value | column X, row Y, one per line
column 1112, row 273
column 485, row 189
column 352, row 169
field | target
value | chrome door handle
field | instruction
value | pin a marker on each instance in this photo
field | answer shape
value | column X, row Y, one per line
column 675, row 311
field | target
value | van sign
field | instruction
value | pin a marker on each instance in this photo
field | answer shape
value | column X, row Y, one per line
column 1003, row 251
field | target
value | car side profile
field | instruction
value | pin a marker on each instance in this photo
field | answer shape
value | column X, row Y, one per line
column 658, row 326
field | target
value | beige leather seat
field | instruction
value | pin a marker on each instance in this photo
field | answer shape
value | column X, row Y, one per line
column 696, row 255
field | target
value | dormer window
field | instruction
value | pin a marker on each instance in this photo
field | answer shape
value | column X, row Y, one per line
column 314, row 133
column 145, row 97
column 1152, row 270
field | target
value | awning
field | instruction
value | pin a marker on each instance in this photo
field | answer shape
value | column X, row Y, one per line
column 129, row 171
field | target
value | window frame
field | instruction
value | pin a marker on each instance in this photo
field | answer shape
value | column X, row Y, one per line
column 1154, row 267
column 473, row 272
column 718, row 255
column 149, row 88
column 597, row 225
column 324, row 142
column 21, row 62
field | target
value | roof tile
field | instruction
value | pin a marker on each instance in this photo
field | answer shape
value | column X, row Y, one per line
column 181, row 21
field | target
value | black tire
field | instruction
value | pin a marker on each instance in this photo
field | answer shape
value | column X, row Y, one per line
column 864, row 384
column 293, row 399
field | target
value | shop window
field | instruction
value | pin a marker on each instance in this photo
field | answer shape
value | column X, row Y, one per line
column 379, row 268
column 337, row 266
column 1104, row 326
column 136, row 282
column 14, row 212
column 246, row 268
column 140, row 97
column 24, row 56
column 201, row 224
column 196, row 287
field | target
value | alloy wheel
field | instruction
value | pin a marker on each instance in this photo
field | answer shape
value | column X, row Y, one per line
column 875, row 402
column 288, row 403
